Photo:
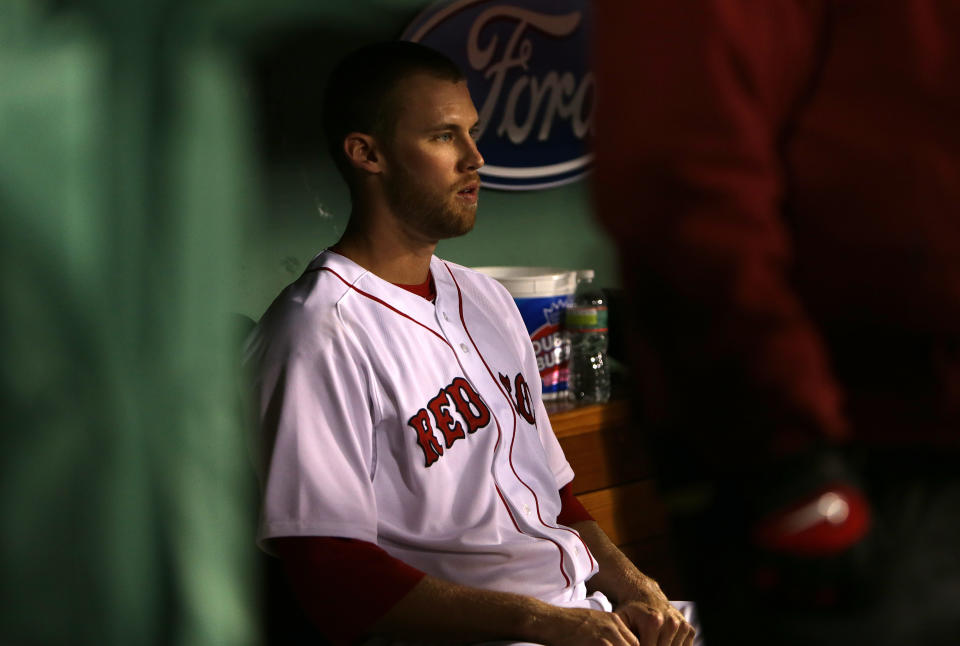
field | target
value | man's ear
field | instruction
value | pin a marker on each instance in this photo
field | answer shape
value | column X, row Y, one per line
column 362, row 152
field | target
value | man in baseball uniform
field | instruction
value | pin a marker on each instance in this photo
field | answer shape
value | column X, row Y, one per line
column 412, row 484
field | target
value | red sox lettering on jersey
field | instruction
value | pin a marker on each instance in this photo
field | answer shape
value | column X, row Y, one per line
column 521, row 396
column 467, row 402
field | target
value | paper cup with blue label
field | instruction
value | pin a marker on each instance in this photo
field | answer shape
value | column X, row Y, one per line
column 542, row 295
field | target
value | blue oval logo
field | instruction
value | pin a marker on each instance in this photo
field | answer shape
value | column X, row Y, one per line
column 526, row 63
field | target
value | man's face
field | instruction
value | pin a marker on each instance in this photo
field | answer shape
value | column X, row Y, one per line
column 431, row 158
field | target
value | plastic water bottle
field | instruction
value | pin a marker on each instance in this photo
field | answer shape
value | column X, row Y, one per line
column 586, row 328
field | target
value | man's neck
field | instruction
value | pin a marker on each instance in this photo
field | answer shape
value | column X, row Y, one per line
column 386, row 251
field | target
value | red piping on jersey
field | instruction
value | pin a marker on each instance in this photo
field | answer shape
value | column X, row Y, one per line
column 496, row 381
column 496, row 421
column 389, row 306
column 510, row 513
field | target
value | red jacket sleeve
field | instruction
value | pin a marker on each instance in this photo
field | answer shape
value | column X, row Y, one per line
column 571, row 509
column 692, row 101
column 344, row 585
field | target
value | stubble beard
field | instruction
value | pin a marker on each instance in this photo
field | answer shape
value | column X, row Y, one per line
column 437, row 215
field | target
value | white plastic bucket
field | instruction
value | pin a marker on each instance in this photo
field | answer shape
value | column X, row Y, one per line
column 542, row 295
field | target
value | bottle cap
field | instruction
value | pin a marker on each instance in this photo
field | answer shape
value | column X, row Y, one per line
column 584, row 274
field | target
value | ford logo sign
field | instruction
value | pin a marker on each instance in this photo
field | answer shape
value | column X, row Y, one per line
column 526, row 64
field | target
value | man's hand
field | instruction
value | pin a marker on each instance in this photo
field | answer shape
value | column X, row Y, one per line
column 581, row 627
column 638, row 599
column 634, row 623
column 649, row 613
column 656, row 624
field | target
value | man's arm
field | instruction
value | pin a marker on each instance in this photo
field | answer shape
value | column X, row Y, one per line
column 484, row 615
column 637, row 598
column 440, row 611
column 351, row 589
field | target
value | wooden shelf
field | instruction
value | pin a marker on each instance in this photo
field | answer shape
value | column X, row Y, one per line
column 614, row 482
column 569, row 419
column 613, row 509
column 601, row 443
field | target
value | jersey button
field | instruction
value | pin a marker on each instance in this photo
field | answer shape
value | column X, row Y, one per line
column 445, row 317
column 463, row 346
column 526, row 509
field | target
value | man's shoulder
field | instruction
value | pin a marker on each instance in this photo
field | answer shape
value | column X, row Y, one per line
column 471, row 280
column 311, row 301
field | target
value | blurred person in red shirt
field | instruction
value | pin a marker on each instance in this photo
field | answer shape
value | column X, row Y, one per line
column 782, row 179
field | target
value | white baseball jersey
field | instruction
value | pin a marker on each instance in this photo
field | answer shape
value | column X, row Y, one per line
column 417, row 426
